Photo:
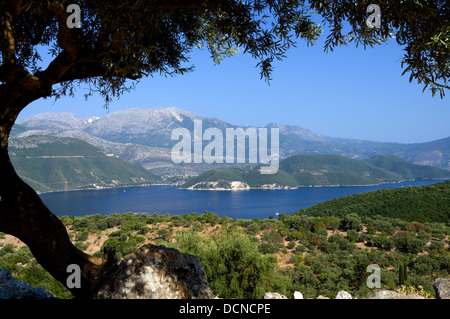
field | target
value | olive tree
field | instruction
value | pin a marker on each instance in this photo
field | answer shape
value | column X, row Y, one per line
column 116, row 43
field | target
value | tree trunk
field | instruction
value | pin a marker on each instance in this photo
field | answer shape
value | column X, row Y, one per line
column 24, row 215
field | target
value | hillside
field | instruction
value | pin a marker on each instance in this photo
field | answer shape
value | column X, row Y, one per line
column 434, row 153
column 320, row 170
column 222, row 178
column 53, row 164
column 327, row 170
column 422, row 204
column 143, row 136
column 316, row 256
column 405, row 169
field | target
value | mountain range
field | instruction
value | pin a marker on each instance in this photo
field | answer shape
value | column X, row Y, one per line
column 143, row 136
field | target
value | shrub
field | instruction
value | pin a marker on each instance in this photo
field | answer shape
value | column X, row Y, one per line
column 424, row 265
column 383, row 242
column 414, row 246
column 352, row 236
column 291, row 245
column 352, row 221
column 82, row 236
column 253, row 228
column 7, row 249
column 269, row 248
column 233, row 265
column 40, row 278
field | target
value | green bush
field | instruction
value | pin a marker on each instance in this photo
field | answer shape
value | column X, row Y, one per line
column 40, row 278
column 352, row 221
column 82, row 236
column 269, row 248
column 352, row 236
column 233, row 265
column 7, row 249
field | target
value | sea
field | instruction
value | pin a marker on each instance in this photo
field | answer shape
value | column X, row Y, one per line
column 163, row 199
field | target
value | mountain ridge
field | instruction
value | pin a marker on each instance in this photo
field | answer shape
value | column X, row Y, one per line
column 150, row 129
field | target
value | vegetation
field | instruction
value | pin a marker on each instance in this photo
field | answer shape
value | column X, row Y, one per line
column 316, row 255
column 429, row 203
column 53, row 164
column 110, row 49
column 319, row 170
column 405, row 169
column 223, row 174
column 250, row 176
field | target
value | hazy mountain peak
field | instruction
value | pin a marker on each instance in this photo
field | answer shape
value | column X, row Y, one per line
column 49, row 120
column 162, row 113
column 153, row 127
column 296, row 131
column 63, row 116
column 91, row 119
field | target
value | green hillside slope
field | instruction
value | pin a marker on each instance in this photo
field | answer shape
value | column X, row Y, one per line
column 53, row 164
column 250, row 176
column 325, row 170
column 429, row 203
column 407, row 170
column 335, row 170
column 220, row 174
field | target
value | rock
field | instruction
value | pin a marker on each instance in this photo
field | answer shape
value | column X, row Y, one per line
column 155, row 272
column 322, row 297
column 298, row 295
column 343, row 295
column 11, row 288
column 388, row 294
column 5, row 275
column 442, row 288
column 274, row 295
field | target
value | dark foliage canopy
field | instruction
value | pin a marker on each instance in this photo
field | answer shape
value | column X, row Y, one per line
column 120, row 40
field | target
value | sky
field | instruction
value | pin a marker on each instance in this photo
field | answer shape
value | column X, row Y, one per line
column 347, row 93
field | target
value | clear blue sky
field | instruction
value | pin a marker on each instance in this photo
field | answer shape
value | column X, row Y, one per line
column 351, row 92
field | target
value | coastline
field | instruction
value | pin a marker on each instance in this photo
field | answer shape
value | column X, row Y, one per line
column 240, row 189
column 165, row 199
column 101, row 188
column 314, row 186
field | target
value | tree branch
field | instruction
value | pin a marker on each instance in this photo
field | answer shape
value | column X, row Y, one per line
column 64, row 36
column 12, row 6
column 83, row 70
column 7, row 42
column 22, row 81
column 56, row 68
column 182, row 4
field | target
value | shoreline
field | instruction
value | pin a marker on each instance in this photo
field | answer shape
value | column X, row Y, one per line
column 312, row 186
column 240, row 189
column 101, row 188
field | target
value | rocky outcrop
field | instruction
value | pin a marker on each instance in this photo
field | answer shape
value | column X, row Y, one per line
column 220, row 185
column 388, row 294
column 442, row 288
column 297, row 295
column 155, row 272
column 11, row 288
column 343, row 295
column 274, row 295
